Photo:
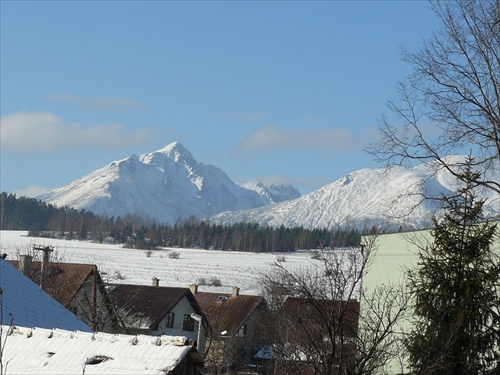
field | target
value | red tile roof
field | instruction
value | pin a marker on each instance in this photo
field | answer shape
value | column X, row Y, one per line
column 226, row 312
column 345, row 313
column 63, row 281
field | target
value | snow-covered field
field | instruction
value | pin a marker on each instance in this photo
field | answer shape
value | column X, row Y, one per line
column 135, row 267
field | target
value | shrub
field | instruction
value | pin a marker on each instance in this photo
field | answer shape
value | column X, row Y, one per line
column 174, row 255
column 316, row 255
column 214, row 281
column 281, row 258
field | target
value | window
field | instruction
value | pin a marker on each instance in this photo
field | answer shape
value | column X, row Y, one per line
column 169, row 320
column 242, row 331
column 188, row 324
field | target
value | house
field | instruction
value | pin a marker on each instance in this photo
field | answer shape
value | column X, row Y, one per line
column 343, row 316
column 57, row 351
column 23, row 303
column 310, row 328
column 232, row 332
column 155, row 310
column 78, row 287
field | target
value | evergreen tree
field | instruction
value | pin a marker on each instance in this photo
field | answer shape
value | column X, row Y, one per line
column 456, row 290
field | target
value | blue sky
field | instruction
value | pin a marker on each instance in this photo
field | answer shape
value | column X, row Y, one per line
column 283, row 92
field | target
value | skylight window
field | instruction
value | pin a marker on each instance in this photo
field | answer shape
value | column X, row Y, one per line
column 96, row 359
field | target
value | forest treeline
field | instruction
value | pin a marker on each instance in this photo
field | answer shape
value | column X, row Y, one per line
column 43, row 219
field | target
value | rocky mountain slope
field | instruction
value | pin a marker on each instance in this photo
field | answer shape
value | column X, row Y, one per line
column 275, row 193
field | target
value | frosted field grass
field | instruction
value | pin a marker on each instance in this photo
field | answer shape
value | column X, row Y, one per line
column 132, row 266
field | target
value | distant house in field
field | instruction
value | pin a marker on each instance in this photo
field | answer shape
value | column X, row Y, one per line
column 56, row 351
column 232, row 332
column 78, row 287
column 23, row 303
column 155, row 310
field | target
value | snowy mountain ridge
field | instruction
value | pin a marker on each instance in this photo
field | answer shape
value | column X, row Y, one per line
column 169, row 184
column 165, row 185
column 275, row 193
column 388, row 198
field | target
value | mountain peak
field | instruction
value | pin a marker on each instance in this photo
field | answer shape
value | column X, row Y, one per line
column 175, row 150
column 166, row 185
column 274, row 192
column 173, row 147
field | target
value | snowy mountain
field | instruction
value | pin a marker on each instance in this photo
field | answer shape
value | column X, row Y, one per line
column 166, row 185
column 384, row 197
column 170, row 184
column 275, row 193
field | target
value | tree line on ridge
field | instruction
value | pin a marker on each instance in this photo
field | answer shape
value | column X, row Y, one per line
column 43, row 219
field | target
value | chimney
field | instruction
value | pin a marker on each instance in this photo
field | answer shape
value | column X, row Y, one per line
column 156, row 281
column 236, row 291
column 25, row 265
column 46, row 258
column 193, row 288
column 45, row 262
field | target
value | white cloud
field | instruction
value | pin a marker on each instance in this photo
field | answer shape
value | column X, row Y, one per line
column 269, row 138
column 102, row 103
column 31, row 191
column 33, row 132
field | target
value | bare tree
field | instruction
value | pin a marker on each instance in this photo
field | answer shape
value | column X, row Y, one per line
column 451, row 101
column 227, row 347
column 315, row 325
column 220, row 354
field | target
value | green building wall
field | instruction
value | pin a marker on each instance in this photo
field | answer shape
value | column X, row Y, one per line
column 393, row 255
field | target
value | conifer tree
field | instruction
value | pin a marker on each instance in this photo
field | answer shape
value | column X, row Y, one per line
column 457, row 292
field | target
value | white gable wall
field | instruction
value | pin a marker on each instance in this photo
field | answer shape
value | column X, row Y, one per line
column 183, row 307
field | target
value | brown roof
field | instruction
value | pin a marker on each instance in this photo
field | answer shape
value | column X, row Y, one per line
column 63, row 281
column 226, row 312
column 148, row 304
column 345, row 314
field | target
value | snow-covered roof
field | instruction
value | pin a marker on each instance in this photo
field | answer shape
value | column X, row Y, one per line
column 56, row 351
column 25, row 304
